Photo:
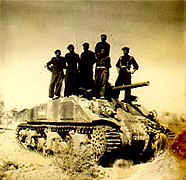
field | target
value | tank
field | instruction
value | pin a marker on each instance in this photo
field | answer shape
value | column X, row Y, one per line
column 112, row 129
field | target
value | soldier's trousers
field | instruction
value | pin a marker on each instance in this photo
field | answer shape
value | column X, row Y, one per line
column 56, row 83
column 101, row 80
column 124, row 79
column 86, row 78
column 71, row 82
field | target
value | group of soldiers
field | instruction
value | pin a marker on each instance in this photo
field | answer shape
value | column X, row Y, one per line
column 79, row 70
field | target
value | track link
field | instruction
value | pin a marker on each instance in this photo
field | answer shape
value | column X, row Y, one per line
column 104, row 139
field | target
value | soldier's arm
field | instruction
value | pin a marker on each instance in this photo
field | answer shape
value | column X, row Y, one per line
column 93, row 58
column 119, row 65
column 66, row 60
column 48, row 65
column 97, row 49
column 78, row 62
column 108, row 62
column 64, row 63
column 108, row 49
column 135, row 65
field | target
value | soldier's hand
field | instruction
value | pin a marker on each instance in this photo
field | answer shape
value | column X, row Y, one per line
column 50, row 69
column 129, row 71
column 133, row 71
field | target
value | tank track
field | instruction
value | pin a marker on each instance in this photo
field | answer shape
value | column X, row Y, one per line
column 103, row 139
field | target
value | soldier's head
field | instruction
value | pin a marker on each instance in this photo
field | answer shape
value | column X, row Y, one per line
column 125, row 50
column 57, row 52
column 85, row 46
column 103, row 37
column 70, row 47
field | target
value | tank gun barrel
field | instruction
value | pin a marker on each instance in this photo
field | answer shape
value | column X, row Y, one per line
column 131, row 86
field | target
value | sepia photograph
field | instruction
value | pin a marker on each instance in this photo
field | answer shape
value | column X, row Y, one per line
column 92, row 90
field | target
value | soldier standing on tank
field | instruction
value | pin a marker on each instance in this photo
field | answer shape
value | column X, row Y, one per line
column 56, row 66
column 124, row 72
column 103, row 65
column 72, row 72
column 87, row 60
column 102, row 45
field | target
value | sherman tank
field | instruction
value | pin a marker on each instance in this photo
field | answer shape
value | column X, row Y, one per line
column 112, row 129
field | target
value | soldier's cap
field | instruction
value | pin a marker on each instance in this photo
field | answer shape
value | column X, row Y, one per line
column 125, row 48
column 57, row 51
column 70, row 46
column 103, row 35
column 85, row 44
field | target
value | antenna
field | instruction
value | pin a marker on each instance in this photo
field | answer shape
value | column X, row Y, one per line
column 111, row 35
column 76, row 39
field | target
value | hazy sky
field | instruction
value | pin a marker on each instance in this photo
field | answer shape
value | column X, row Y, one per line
column 155, row 32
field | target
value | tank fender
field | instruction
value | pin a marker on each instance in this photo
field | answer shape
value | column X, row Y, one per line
column 109, row 122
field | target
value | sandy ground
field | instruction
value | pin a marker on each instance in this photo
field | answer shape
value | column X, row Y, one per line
column 31, row 165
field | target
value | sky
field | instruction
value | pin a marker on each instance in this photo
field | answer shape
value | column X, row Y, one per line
column 154, row 30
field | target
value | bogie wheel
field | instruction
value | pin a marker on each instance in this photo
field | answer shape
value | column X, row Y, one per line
column 98, row 143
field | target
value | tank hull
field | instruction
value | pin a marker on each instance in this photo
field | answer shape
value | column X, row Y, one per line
column 111, row 130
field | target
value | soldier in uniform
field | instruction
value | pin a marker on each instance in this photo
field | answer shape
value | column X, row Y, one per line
column 56, row 66
column 72, row 72
column 124, row 72
column 102, row 45
column 102, row 74
column 87, row 60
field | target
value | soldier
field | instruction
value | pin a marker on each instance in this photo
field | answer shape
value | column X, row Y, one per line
column 72, row 72
column 102, row 45
column 56, row 66
column 102, row 74
column 87, row 61
column 124, row 72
